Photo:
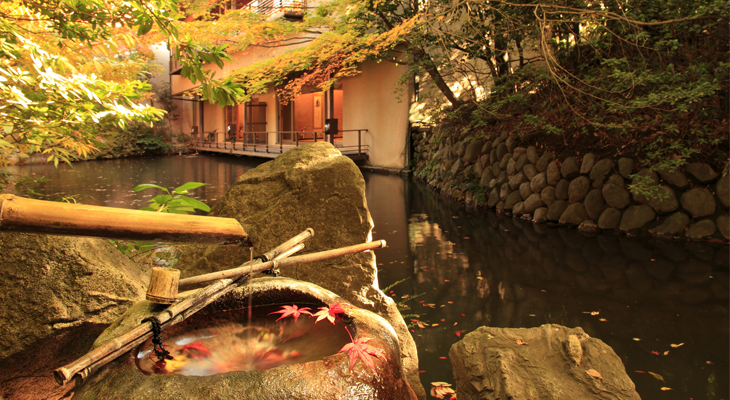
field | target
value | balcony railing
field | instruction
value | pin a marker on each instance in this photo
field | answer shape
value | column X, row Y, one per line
column 257, row 142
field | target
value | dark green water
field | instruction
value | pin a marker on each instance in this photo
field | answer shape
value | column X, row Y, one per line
column 475, row 268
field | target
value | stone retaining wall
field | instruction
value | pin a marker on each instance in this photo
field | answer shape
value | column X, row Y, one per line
column 583, row 191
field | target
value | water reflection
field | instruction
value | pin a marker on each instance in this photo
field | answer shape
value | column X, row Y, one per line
column 641, row 298
column 110, row 182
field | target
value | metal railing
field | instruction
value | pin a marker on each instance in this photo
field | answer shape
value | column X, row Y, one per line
column 252, row 141
column 271, row 7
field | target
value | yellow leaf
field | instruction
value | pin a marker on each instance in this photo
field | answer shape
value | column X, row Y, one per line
column 666, row 388
column 676, row 345
column 656, row 376
column 594, row 373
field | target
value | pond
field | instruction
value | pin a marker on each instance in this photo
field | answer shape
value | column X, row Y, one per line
column 662, row 306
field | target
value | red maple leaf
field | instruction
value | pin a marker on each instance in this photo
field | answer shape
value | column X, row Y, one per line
column 359, row 349
column 291, row 310
column 329, row 312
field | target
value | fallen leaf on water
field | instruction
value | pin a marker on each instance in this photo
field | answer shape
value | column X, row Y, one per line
column 520, row 341
column 657, row 376
column 656, row 353
column 676, row 345
column 441, row 389
column 594, row 312
column 666, row 352
column 602, row 319
column 442, row 358
column 458, row 333
column 709, row 362
column 636, row 339
column 640, row 372
column 664, row 388
column 594, row 373
column 434, row 324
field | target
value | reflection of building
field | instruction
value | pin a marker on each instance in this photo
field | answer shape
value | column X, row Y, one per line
column 367, row 118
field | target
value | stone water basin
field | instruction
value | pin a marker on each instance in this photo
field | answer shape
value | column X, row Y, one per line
column 218, row 355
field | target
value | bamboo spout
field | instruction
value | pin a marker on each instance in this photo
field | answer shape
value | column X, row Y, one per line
column 20, row 214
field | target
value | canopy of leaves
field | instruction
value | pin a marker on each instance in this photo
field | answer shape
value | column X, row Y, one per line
column 67, row 65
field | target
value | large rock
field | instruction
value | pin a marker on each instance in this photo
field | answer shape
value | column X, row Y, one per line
column 550, row 362
column 698, row 202
column 573, row 215
column 532, row 155
column 512, row 199
column 600, row 170
column 516, row 180
column 561, row 189
column 51, row 283
column 702, row 172
column 625, row 167
column 588, row 161
column 615, row 194
column 701, row 229
column 671, row 226
column 525, row 191
column 594, row 204
column 674, row 177
column 533, row 202
column 326, row 374
column 664, row 200
column 522, row 161
column 530, row 171
column 636, row 217
column 56, row 295
column 311, row 186
column 501, row 151
column 645, row 179
column 609, row 219
column 556, row 210
column 538, row 183
column 552, row 173
column 578, row 189
column 542, row 162
column 473, row 150
column 548, row 195
column 569, row 170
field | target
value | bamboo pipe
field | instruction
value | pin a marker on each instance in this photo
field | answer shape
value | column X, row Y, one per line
column 311, row 257
column 54, row 218
column 174, row 314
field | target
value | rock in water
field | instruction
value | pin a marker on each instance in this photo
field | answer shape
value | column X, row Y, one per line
column 312, row 186
column 50, row 283
column 549, row 362
column 56, row 295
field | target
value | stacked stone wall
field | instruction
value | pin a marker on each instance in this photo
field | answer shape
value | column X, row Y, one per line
column 583, row 191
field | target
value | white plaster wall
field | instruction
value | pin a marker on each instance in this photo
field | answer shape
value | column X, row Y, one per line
column 370, row 102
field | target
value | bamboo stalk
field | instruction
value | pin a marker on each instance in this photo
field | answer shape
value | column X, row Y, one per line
column 174, row 314
column 306, row 258
column 54, row 218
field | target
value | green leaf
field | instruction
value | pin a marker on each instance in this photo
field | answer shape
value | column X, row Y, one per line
column 148, row 186
column 195, row 203
column 162, row 199
column 188, row 186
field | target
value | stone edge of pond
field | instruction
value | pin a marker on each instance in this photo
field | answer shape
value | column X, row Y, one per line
column 584, row 192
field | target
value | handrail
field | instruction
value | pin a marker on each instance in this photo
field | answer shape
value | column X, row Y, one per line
column 246, row 144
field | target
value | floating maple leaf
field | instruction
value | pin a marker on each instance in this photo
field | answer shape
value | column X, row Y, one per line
column 291, row 310
column 329, row 312
column 360, row 349
column 441, row 389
